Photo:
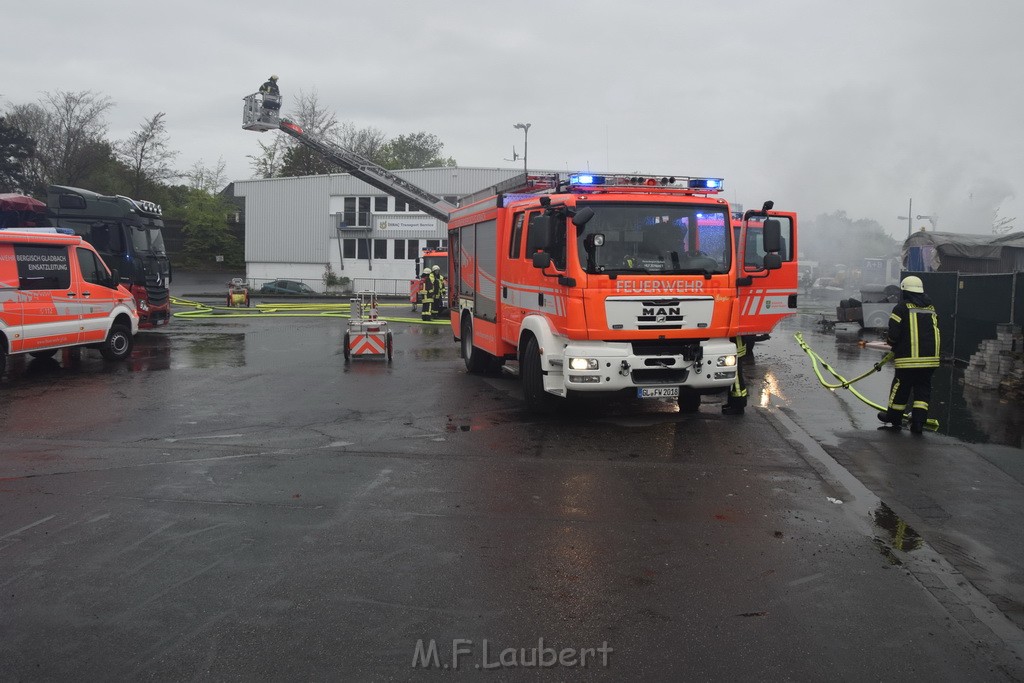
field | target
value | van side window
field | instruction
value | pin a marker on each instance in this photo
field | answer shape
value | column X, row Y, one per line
column 42, row 266
column 92, row 270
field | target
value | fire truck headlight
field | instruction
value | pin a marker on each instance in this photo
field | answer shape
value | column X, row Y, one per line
column 583, row 364
column 726, row 361
column 143, row 305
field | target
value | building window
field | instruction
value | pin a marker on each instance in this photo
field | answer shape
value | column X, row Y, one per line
column 380, row 204
column 433, row 244
column 356, row 211
column 380, row 249
column 451, row 199
column 348, row 248
column 412, row 250
column 401, row 206
column 361, row 251
column 399, row 249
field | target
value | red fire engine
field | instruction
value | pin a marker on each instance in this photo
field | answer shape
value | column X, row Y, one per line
column 615, row 283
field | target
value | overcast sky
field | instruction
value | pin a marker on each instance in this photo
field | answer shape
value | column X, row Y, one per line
column 817, row 104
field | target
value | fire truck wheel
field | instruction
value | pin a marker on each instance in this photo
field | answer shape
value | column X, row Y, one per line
column 477, row 361
column 537, row 400
column 345, row 349
column 118, row 344
column 49, row 353
column 689, row 400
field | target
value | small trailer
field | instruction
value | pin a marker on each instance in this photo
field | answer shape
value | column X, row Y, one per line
column 367, row 335
column 238, row 292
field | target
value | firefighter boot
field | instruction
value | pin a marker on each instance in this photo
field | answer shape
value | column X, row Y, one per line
column 891, row 417
column 733, row 406
column 917, row 420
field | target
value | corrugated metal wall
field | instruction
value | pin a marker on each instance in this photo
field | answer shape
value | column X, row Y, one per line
column 287, row 219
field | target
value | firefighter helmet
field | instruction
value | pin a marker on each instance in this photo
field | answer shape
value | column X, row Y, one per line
column 912, row 283
column 426, row 271
column 436, row 268
column 274, row 77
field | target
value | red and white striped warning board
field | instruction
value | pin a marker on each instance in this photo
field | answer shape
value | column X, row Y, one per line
column 367, row 344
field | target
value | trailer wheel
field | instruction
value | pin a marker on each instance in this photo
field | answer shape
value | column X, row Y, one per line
column 118, row 344
column 537, row 400
column 477, row 361
column 689, row 400
column 345, row 349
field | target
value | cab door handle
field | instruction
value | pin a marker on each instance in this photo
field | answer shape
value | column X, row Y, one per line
column 71, row 294
column 86, row 294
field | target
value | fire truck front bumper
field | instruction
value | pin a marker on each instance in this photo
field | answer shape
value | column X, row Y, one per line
column 611, row 366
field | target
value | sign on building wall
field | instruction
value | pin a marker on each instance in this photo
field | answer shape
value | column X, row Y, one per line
column 418, row 223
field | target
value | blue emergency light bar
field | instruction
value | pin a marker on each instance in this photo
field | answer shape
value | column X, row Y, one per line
column 677, row 182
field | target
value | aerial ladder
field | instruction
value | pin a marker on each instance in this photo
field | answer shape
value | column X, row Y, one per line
column 262, row 112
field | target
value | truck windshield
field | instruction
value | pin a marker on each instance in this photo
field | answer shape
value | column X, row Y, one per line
column 148, row 240
column 655, row 238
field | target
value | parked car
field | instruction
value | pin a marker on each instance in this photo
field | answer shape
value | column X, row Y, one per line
column 286, row 287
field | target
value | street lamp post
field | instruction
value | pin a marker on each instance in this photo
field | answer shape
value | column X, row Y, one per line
column 909, row 217
column 526, row 134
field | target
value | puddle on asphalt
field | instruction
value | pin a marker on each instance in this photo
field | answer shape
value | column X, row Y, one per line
column 900, row 536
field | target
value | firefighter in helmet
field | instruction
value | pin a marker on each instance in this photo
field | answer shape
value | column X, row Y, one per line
column 914, row 337
column 439, row 298
column 427, row 277
column 737, row 401
column 270, row 87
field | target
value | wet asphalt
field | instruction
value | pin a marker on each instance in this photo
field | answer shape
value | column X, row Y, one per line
column 239, row 503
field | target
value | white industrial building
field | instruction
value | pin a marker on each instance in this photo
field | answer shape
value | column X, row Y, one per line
column 294, row 227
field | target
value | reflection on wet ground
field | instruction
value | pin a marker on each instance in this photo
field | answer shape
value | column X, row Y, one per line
column 900, row 535
column 964, row 412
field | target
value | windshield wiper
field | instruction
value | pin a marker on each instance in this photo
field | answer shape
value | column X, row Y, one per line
column 605, row 271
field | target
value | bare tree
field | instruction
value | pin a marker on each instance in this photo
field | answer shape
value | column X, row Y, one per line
column 267, row 164
column 367, row 142
column 70, row 130
column 147, row 155
column 209, row 180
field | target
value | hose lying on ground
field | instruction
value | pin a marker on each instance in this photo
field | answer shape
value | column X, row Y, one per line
column 844, row 383
column 289, row 310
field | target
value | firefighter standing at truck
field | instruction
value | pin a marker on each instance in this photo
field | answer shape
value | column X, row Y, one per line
column 737, row 400
column 914, row 336
column 439, row 298
column 427, row 312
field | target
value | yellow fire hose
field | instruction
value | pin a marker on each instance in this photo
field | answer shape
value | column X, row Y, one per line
column 844, row 383
column 288, row 310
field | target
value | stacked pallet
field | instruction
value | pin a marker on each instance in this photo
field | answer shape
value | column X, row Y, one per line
column 999, row 363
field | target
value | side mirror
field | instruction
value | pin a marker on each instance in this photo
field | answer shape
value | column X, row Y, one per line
column 582, row 217
column 542, row 260
column 540, row 233
column 115, row 279
column 772, row 261
column 772, row 235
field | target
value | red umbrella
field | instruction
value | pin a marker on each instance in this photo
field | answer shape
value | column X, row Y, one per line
column 20, row 202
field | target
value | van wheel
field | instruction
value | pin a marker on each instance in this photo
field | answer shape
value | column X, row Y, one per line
column 477, row 361
column 49, row 353
column 537, row 400
column 3, row 356
column 118, row 344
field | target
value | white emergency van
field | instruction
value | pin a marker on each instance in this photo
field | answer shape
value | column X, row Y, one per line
column 56, row 292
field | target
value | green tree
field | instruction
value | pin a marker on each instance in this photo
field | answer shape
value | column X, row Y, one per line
column 415, row 150
column 205, row 213
column 16, row 148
